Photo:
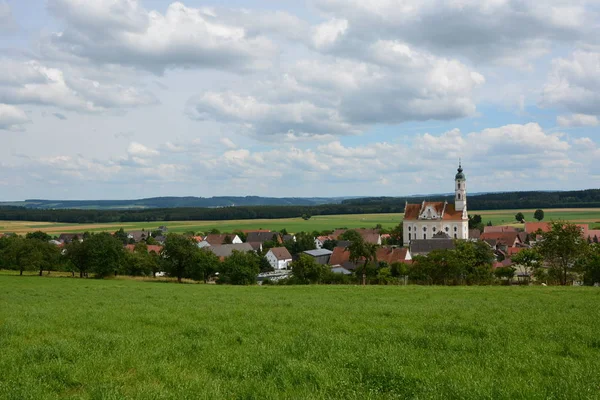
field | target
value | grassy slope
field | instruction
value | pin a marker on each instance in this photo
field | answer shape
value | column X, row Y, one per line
column 76, row 338
column 319, row 223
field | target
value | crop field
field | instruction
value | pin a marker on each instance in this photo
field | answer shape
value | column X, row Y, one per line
column 318, row 223
column 118, row 339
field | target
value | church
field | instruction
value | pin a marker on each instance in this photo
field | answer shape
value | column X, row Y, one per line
column 430, row 220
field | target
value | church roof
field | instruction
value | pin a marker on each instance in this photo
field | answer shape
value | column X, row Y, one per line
column 412, row 211
column 460, row 174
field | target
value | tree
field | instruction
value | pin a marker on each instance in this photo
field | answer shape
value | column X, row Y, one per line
column 362, row 251
column 539, row 215
column 507, row 273
column 121, row 235
column 265, row 265
column 527, row 260
column 180, row 254
column 104, row 254
column 240, row 269
column 591, row 267
column 475, row 222
column 329, row 244
column 206, row 264
column 39, row 235
column 29, row 254
column 520, row 217
column 397, row 235
column 304, row 241
column 562, row 247
column 227, row 239
column 306, row 270
column 351, row 235
column 76, row 254
column 306, row 217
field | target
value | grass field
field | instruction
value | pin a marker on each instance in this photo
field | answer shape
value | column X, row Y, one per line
column 95, row 339
column 318, row 223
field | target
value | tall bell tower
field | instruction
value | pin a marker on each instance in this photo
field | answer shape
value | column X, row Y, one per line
column 460, row 197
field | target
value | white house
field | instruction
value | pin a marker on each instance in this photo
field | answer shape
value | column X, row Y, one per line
column 279, row 257
column 320, row 241
column 430, row 220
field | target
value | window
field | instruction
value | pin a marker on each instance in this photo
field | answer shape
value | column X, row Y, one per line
column 409, row 237
column 455, row 236
column 409, row 228
column 424, row 229
column 434, row 229
column 455, row 229
column 424, row 236
column 459, row 186
column 447, row 229
column 458, row 196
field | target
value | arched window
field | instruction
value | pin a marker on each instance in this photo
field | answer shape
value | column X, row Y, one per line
column 409, row 228
column 434, row 229
column 459, row 186
column 424, row 236
column 459, row 196
column 447, row 229
column 424, row 229
column 409, row 237
column 455, row 229
column 455, row 236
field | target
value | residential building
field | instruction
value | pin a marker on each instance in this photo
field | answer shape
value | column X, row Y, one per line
column 262, row 237
column 321, row 256
column 224, row 238
column 422, row 247
column 225, row 250
column 423, row 221
column 279, row 257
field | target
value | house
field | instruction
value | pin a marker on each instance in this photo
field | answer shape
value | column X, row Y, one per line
column 67, row 238
column 138, row 236
column 225, row 250
column 279, row 257
column 161, row 239
column 593, row 233
column 289, row 238
column 393, row 254
column 368, row 235
column 341, row 270
column 257, row 246
column 422, row 221
column 499, row 229
column 501, row 240
column 262, row 237
column 321, row 256
column 422, row 247
column 474, row 234
column 534, row 227
column 340, row 257
column 218, row 239
column 152, row 248
column 320, row 241
column 163, row 229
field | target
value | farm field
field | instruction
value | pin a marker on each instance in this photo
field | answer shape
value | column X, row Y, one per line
column 85, row 338
column 318, row 223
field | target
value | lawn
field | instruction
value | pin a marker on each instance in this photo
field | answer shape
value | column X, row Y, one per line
column 77, row 338
column 318, row 223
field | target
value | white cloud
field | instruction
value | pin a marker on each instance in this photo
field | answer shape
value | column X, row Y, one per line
column 7, row 22
column 122, row 32
column 574, row 84
column 228, row 143
column 326, row 34
column 500, row 31
column 12, row 118
column 32, row 82
column 139, row 150
column 577, row 120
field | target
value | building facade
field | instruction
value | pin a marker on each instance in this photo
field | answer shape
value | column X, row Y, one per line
column 431, row 220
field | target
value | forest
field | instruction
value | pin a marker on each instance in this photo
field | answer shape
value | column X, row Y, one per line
column 493, row 201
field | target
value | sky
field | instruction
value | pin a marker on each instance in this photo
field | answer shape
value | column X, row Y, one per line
column 125, row 99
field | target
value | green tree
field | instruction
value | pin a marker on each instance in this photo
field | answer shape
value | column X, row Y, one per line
column 591, row 266
column 360, row 251
column 76, row 254
column 539, row 215
column 205, row 265
column 121, row 235
column 330, row 244
column 180, row 254
column 29, row 254
column 104, row 254
column 351, row 235
column 306, row 270
column 562, row 247
column 527, row 261
column 39, row 235
column 240, row 268
column 306, row 217
column 475, row 222
column 505, row 273
column 520, row 217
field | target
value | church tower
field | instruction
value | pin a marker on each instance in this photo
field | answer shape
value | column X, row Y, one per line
column 460, row 198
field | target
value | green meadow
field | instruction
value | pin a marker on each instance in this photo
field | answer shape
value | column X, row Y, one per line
column 126, row 339
column 316, row 223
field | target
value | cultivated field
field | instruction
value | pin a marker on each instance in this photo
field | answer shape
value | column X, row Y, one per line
column 318, row 223
column 82, row 339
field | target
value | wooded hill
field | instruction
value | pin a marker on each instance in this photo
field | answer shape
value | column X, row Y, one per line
column 493, row 201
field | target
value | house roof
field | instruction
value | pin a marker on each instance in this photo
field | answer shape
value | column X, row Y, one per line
column 499, row 229
column 263, row 236
column 281, row 253
column 339, row 256
column 593, row 233
column 532, row 227
column 198, row 239
column 225, row 250
column 216, row 239
column 392, row 254
column 318, row 252
column 341, row 270
column 474, row 234
column 503, row 238
column 368, row 235
column 511, row 251
column 323, row 238
column 287, row 238
column 425, row 246
column 151, row 248
column 139, row 235
column 446, row 210
column 257, row 246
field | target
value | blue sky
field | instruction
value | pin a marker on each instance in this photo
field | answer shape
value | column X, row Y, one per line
column 119, row 99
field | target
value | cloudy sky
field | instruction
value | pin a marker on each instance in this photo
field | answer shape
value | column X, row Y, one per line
column 113, row 99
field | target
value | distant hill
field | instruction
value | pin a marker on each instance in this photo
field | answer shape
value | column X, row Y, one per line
column 172, row 202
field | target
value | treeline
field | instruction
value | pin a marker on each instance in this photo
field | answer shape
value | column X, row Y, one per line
column 497, row 201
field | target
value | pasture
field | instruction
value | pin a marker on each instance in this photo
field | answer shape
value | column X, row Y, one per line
column 316, row 223
column 118, row 339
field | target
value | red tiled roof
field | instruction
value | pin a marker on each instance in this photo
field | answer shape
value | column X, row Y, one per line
column 392, row 254
column 591, row 233
column 511, row 251
column 339, row 256
column 504, row 238
column 216, row 239
column 499, row 229
column 368, row 235
column 151, row 248
column 532, row 227
column 281, row 253
column 198, row 239
column 412, row 211
column 255, row 230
